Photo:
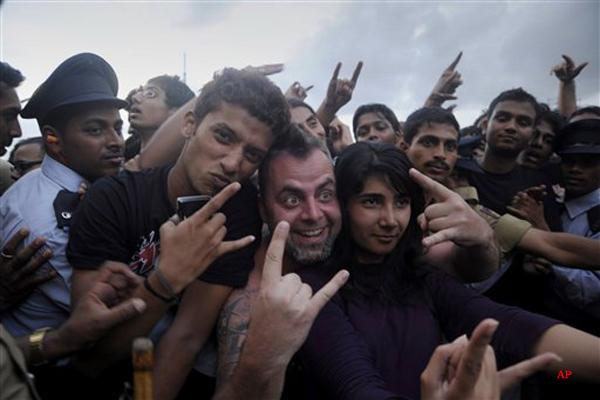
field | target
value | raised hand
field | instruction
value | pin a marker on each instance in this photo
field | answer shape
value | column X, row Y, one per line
column 339, row 93
column 285, row 308
column 446, row 85
column 189, row 247
column 340, row 135
column 18, row 269
column 528, row 205
column 466, row 369
column 107, row 304
column 297, row 91
column 567, row 71
column 449, row 218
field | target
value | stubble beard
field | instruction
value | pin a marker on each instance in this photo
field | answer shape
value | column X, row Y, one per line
column 308, row 255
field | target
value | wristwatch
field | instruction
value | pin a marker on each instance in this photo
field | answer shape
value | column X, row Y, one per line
column 36, row 346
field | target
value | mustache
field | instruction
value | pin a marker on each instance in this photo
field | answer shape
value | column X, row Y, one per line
column 438, row 164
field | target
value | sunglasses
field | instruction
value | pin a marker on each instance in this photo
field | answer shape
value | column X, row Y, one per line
column 23, row 166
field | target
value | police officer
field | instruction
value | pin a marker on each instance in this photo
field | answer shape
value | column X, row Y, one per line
column 78, row 114
column 578, row 145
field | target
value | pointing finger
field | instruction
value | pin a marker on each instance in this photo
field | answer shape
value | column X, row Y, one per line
column 216, row 202
column 274, row 258
column 472, row 360
column 435, row 189
column 455, row 62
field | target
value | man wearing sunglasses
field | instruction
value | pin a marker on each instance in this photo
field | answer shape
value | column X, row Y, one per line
column 26, row 156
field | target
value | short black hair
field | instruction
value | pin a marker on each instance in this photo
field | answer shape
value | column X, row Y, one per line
column 586, row 110
column 249, row 90
column 10, row 76
column 296, row 143
column 427, row 116
column 554, row 119
column 177, row 93
column 518, row 95
column 376, row 108
column 23, row 142
column 295, row 103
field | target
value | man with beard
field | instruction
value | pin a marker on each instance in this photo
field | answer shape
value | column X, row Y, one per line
column 297, row 185
column 430, row 142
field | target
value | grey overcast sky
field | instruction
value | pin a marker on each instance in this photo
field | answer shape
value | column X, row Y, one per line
column 404, row 44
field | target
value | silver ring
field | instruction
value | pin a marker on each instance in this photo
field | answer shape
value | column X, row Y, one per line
column 6, row 256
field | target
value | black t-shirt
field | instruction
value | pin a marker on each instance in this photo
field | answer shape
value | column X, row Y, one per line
column 119, row 219
column 496, row 191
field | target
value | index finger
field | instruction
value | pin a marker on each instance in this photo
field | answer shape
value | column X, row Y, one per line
column 455, row 62
column 13, row 243
column 356, row 72
column 511, row 376
column 472, row 360
column 274, row 259
column 336, row 72
column 217, row 202
column 435, row 189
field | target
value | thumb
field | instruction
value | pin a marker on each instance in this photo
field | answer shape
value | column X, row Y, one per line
column 125, row 311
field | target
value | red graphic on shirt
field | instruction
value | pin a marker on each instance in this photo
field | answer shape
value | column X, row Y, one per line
column 143, row 260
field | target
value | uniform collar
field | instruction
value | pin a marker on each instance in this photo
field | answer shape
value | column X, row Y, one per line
column 62, row 175
column 582, row 204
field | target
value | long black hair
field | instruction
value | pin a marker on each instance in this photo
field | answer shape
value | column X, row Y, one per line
column 353, row 167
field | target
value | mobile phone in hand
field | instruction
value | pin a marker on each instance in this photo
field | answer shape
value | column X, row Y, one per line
column 187, row 205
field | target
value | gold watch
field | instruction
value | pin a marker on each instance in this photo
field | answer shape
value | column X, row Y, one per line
column 36, row 346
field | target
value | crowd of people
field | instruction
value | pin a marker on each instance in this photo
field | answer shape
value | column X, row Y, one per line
column 399, row 258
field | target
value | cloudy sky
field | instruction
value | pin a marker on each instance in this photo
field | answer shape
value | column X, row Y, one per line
column 404, row 44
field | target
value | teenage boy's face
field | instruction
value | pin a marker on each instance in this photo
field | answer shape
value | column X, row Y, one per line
column 374, row 127
column 434, row 150
column 581, row 173
column 539, row 149
column 510, row 127
column 149, row 108
column 308, row 122
column 227, row 146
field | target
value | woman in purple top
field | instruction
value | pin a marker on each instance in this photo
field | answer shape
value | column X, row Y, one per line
column 375, row 338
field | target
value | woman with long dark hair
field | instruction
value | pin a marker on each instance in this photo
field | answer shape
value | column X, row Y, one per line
column 376, row 336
